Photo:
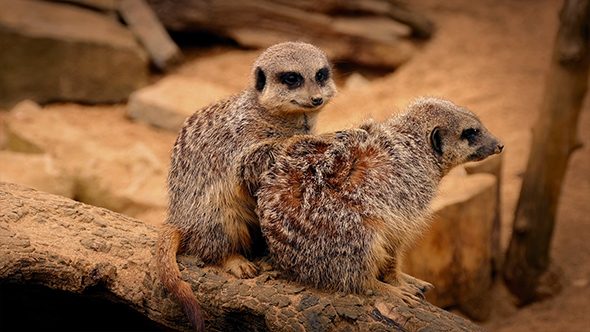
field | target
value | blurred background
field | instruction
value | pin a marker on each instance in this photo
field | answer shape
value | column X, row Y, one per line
column 93, row 92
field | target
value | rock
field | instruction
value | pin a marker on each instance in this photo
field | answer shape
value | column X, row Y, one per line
column 102, row 5
column 38, row 171
column 455, row 255
column 59, row 52
column 492, row 165
column 169, row 102
column 26, row 110
column 128, row 180
column 57, row 243
column 357, row 82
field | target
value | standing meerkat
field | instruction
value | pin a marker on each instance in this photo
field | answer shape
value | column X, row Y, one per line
column 338, row 210
column 211, row 215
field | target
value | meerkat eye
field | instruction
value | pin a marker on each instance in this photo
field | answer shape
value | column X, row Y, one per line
column 322, row 75
column 470, row 134
column 291, row 79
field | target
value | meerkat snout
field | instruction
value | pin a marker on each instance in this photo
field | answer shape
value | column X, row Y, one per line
column 499, row 148
column 317, row 100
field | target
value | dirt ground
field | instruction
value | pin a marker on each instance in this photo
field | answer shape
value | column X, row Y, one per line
column 490, row 56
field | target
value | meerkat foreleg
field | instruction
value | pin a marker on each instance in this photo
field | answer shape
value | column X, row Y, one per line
column 256, row 161
column 387, row 289
column 419, row 286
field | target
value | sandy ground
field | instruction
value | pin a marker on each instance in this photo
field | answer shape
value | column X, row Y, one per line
column 490, row 56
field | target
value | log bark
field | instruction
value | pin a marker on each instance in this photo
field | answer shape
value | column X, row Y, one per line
column 65, row 245
column 373, row 33
column 554, row 139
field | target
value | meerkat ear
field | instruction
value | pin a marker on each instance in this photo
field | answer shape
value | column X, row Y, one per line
column 260, row 79
column 436, row 140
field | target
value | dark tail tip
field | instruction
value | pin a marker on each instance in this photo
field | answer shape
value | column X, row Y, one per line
column 195, row 315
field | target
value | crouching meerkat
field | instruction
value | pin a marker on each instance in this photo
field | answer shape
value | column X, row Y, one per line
column 338, row 210
column 211, row 215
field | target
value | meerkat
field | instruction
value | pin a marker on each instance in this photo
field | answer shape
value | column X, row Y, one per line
column 211, row 214
column 338, row 210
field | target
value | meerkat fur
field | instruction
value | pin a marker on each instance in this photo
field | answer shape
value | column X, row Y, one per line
column 338, row 210
column 211, row 214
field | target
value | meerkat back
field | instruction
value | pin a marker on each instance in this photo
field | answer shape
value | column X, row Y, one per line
column 338, row 210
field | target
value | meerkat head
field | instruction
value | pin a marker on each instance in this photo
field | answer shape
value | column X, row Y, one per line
column 293, row 77
column 454, row 133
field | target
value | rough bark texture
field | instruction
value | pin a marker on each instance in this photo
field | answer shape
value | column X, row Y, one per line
column 62, row 244
column 554, row 139
column 373, row 33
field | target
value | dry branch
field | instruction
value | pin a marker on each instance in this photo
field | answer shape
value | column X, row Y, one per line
column 151, row 33
column 554, row 139
column 62, row 244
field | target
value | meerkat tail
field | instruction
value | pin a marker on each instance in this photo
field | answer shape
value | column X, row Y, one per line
column 168, row 245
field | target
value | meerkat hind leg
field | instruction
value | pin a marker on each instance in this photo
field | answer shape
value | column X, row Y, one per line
column 240, row 267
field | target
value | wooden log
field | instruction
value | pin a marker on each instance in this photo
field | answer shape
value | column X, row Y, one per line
column 144, row 23
column 51, row 241
column 261, row 23
column 554, row 139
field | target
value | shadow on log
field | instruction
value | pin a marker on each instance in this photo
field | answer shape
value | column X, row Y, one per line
column 52, row 241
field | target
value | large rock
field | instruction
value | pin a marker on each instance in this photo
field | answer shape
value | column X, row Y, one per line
column 54, row 51
column 51, row 241
column 38, row 171
column 455, row 255
column 127, row 178
column 169, row 102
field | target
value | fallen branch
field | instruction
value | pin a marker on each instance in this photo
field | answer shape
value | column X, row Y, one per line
column 62, row 244
column 374, row 33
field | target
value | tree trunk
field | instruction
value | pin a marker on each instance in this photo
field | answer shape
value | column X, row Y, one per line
column 54, row 242
column 554, row 139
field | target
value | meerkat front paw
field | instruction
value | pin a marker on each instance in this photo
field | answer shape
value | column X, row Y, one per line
column 415, row 285
column 240, row 267
column 401, row 292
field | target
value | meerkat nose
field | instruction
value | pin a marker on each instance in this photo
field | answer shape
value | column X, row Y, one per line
column 499, row 148
column 317, row 101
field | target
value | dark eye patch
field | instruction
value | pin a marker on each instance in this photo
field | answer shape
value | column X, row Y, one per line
column 260, row 79
column 322, row 75
column 291, row 79
column 470, row 134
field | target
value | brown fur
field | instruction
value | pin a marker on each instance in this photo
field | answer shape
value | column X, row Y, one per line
column 211, row 213
column 338, row 210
